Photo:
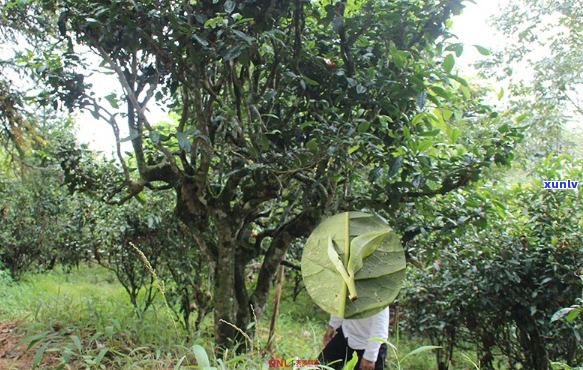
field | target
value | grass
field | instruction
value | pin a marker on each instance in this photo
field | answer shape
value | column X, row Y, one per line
column 23, row 298
column 85, row 312
column 84, row 319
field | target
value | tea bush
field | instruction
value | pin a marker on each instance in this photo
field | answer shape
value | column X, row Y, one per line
column 498, row 288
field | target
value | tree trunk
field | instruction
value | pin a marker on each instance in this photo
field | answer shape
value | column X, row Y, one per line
column 300, row 226
column 224, row 298
column 233, row 307
column 273, row 257
column 231, row 302
column 244, row 312
column 487, row 344
column 532, row 342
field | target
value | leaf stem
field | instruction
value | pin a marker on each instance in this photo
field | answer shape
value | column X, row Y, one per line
column 343, row 291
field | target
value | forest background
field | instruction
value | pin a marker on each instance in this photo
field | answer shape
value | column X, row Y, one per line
column 282, row 114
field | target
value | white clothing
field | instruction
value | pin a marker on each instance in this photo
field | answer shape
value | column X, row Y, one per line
column 359, row 331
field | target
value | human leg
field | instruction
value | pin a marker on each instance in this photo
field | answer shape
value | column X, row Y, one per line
column 336, row 351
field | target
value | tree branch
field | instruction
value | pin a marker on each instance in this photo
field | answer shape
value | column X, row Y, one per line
column 134, row 100
column 114, row 126
column 577, row 106
column 301, row 225
column 345, row 45
column 291, row 265
column 443, row 189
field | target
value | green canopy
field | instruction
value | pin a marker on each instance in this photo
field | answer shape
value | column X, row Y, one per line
column 353, row 265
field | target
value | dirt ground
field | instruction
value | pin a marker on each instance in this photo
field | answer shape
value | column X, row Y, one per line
column 13, row 357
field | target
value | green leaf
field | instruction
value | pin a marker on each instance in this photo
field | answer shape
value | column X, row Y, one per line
column 448, row 63
column 406, row 132
column 417, row 81
column 248, row 20
column 178, row 365
column 446, row 113
column 39, row 355
column 351, row 365
column 440, row 91
column 395, row 166
column 504, row 128
column 501, row 93
column 352, row 82
column 470, row 361
column 459, row 79
column 200, row 40
column 573, row 314
column 112, row 99
column 375, row 173
column 418, row 118
column 309, row 81
column 398, row 57
column 312, row 145
column 229, row 6
column 101, row 355
column 201, row 357
column 337, row 263
column 363, row 246
column 183, row 141
column 33, row 339
column 374, row 264
column 248, row 39
column 564, row 312
column 522, row 117
column 482, row 50
column 237, row 359
column 141, row 198
column 129, row 138
column 430, row 133
column 466, row 92
column 458, row 48
column 363, row 127
column 454, row 135
column 353, row 149
column 77, row 343
column 155, row 137
column 424, row 145
column 233, row 52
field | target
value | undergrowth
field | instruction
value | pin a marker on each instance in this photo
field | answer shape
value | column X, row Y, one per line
column 82, row 319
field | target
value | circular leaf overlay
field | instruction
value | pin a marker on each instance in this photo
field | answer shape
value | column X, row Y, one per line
column 353, row 265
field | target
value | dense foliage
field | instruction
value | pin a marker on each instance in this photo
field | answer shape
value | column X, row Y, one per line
column 499, row 288
column 39, row 217
column 44, row 227
column 151, row 252
column 285, row 111
column 282, row 113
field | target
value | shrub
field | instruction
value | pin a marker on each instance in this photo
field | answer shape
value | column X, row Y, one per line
column 35, row 230
column 499, row 288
